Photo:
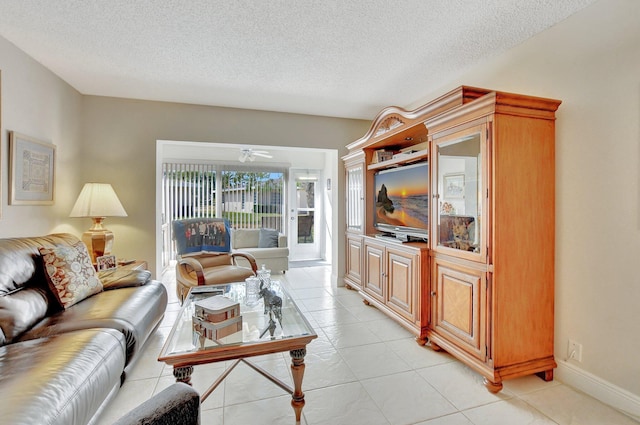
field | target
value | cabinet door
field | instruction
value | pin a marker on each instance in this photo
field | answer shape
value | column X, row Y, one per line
column 459, row 306
column 459, row 189
column 355, row 196
column 374, row 277
column 402, row 277
column 353, row 274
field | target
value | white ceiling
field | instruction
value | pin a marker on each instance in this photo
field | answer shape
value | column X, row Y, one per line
column 344, row 58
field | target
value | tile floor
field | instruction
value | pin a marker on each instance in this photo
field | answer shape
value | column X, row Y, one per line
column 362, row 369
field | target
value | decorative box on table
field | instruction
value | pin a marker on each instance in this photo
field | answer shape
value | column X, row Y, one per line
column 216, row 309
column 215, row 318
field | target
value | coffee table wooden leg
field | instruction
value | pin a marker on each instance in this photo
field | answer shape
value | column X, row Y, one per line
column 297, row 370
column 183, row 374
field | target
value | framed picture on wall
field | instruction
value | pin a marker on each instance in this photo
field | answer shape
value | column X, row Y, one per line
column 454, row 186
column 31, row 170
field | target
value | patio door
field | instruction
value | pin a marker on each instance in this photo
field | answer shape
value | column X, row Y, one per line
column 305, row 218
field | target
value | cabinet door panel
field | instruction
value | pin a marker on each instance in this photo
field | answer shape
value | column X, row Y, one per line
column 373, row 283
column 460, row 307
column 401, row 275
column 353, row 260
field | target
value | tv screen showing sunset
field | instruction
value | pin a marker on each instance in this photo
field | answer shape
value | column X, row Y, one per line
column 402, row 196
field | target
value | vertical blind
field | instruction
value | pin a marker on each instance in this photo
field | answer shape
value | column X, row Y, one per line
column 253, row 196
column 249, row 196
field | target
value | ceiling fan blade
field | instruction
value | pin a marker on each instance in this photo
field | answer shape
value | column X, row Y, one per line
column 263, row 154
column 250, row 154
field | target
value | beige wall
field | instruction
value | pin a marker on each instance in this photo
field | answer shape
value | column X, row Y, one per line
column 591, row 62
column 38, row 104
column 121, row 135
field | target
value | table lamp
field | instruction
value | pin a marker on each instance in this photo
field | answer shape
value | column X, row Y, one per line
column 98, row 201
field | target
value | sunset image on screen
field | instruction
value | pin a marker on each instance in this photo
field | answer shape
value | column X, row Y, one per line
column 402, row 196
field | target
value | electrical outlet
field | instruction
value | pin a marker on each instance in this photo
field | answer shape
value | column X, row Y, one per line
column 574, row 351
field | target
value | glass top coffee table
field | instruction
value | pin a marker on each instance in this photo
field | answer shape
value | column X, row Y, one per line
column 280, row 327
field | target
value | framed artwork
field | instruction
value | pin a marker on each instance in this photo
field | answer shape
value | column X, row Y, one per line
column 31, row 170
column 454, row 186
column 106, row 262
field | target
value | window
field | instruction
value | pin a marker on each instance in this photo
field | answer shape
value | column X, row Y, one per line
column 250, row 196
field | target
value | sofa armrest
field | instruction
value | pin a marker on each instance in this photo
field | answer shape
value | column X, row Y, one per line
column 178, row 404
column 123, row 278
column 282, row 241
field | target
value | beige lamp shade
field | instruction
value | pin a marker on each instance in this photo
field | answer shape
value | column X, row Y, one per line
column 98, row 200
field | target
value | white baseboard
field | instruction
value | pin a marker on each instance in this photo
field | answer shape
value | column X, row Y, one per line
column 598, row 388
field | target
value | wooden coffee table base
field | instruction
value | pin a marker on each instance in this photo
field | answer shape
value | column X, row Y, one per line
column 183, row 374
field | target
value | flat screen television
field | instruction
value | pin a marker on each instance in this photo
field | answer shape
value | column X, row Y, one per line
column 402, row 201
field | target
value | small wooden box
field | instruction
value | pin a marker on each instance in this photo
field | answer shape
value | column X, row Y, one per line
column 216, row 309
column 215, row 331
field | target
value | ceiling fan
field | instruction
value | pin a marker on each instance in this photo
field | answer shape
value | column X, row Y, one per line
column 250, row 154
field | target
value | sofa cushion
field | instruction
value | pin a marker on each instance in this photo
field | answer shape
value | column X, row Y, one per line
column 24, row 293
column 20, row 311
column 268, row 238
column 20, row 264
column 245, row 238
column 261, row 253
column 69, row 272
column 63, row 379
column 134, row 312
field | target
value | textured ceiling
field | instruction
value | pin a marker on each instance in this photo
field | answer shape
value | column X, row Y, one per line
column 322, row 57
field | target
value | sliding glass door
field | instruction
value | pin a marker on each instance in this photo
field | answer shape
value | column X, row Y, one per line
column 248, row 196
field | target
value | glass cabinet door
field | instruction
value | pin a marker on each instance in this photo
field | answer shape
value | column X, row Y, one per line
column 460, row 191
column 355, row 197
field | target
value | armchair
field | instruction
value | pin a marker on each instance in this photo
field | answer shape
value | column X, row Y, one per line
column 179, row 404
column 204, row 258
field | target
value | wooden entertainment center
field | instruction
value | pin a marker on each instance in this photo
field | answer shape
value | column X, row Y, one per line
column 481, row 286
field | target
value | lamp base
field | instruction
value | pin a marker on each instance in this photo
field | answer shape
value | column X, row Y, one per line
column 98, row 242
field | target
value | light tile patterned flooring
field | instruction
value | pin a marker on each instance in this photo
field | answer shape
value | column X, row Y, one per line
column 362, row 369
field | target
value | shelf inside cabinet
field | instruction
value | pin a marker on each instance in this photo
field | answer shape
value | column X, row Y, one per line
column 402, row 158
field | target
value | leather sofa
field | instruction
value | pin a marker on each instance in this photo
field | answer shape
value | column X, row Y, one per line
column 61, row 363
column 267, row 246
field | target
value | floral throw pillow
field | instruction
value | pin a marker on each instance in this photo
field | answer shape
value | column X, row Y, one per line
column 70, row 274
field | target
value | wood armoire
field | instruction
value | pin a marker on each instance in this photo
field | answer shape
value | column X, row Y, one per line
column 481, row 286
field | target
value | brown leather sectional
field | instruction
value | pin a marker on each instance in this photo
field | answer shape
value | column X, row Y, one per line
column 61, row 366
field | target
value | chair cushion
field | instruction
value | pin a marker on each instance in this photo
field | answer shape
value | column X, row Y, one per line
column 69, row 273
column 213, row 260
column 226, row 274
column 268, row 238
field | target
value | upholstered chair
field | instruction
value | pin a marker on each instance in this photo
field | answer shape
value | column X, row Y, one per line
column 204, row 255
